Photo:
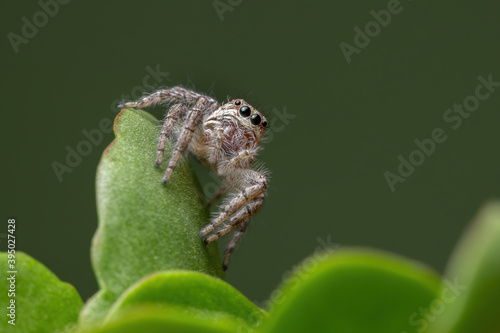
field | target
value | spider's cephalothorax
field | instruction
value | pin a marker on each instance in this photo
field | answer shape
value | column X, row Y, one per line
column 226, row 139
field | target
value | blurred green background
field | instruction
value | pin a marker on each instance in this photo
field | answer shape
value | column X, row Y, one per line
column 347, row 122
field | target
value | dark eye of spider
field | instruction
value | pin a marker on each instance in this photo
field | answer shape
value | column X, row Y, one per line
column 255, row 119
column 237, row 102
column 245, row 111
column 264, row 123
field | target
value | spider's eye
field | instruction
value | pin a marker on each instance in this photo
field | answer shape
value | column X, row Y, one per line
column 245, row 111
column 255, row 119
column 264, row 123
column 237, row 102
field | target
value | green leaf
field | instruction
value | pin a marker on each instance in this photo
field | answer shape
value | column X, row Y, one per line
column 192, row 290
column 144, row 226
column 470, row 300
column 42, row 302
column 352, row 291
column 154, row 319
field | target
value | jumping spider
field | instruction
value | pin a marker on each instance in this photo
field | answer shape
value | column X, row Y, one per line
column 224, row 138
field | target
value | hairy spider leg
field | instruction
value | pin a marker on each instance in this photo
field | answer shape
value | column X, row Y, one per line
column 249, row 193
column 185, row 137
column 234, row 241
column 176, row 94
column 243, row 214
column 172, row 117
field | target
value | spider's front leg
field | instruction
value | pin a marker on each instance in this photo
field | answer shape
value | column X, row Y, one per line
column 245, row 213
column 245, row 204
column 240, row 220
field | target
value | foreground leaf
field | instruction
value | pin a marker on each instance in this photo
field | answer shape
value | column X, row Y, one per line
column 189, row 290
column 472, row 303
column 352, row 291
column 144, row 226
column 153, row 319
column 42, row 302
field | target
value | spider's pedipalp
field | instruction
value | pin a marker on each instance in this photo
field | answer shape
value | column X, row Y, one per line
column 242, row 160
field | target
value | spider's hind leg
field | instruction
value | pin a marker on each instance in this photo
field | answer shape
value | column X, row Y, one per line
column 174, row 94
column 192, row 119
column 173, row 115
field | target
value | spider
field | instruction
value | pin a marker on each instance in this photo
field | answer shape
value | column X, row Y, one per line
column 223, row 137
